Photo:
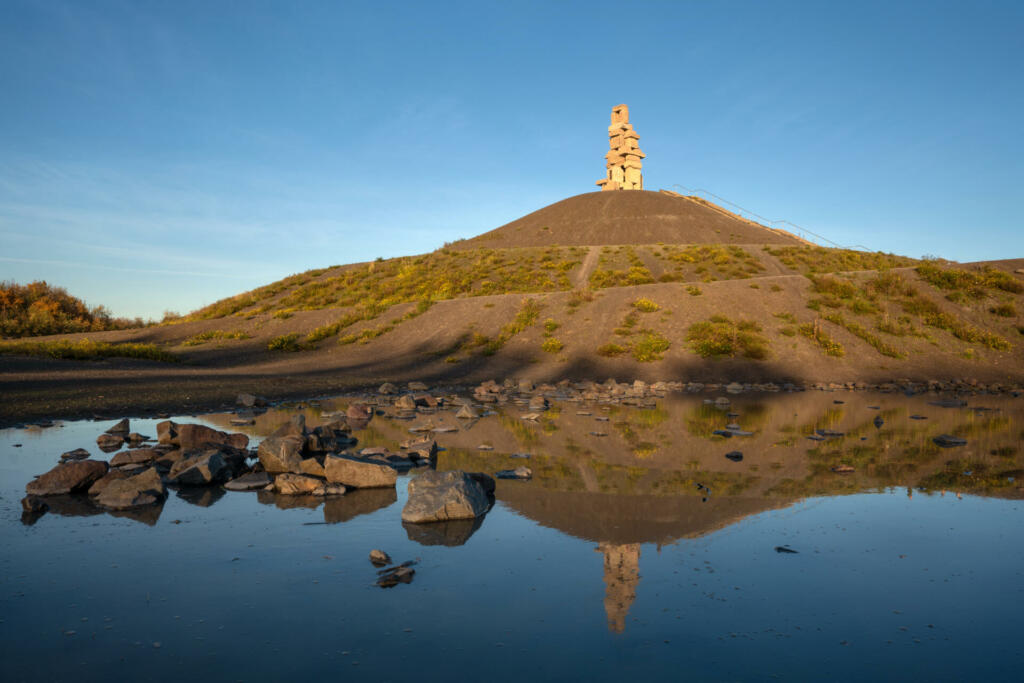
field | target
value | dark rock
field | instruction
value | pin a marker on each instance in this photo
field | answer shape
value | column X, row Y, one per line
column 379, row 558
column 187, row 436
column 250, row 401
column 77, row 454
column 344, row 469
column 400, row 574
column 109, row 443
column 359, row 411
column 918, row 417
column 213, row 464
column 949, row 403
column 829, row 434
column 252, row 481
column 878, row 421
column 440, row 496
column 723, row 432
column 67, row 477
column 121, row 428
column 296, row 426
column 517, row 473
column 784, row 549
column 141, row 489
column 282, row 453
column 135, row 457
column 949, row 441
column 735, row 456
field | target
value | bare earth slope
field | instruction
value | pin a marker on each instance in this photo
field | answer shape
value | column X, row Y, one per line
column 634, row 217
column 751, row 305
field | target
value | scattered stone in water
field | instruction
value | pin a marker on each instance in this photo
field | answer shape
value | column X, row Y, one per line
column 77, row 454
column 485, row 447
column 949, row 403
column 524, row 456
column 815, row 437
column 785, row 549
column 918, row 417
column 735, row 456
column 518, row 473
column 878, row 421
column 440, row 496
column 843, row 469
column 379, row 558
column 949, row 441
column 829, row 434
column 403, row 573
column 109, row 443
column 34, row 505
column 723, row 432
column 121, row 428
column 249, row 482
column 599, row 433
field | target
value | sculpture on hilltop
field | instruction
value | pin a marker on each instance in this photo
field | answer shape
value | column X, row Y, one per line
column 624, row 154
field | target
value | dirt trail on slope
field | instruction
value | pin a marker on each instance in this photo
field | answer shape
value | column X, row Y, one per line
column 589, row 263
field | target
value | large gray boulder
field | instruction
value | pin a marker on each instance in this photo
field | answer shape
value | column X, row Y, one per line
column 144, row 488
column 441, row 496
column 342, row 469
column 282, row 453
column 67, row 477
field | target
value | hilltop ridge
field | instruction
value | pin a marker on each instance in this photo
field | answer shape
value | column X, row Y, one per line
column 629, row 217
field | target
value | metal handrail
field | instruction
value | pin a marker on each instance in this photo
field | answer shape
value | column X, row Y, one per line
column 766, row 221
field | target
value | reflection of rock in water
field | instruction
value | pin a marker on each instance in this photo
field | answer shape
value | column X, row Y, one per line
column 203, row 496
column 357, row 502
column 283, row 502
column 79, row 505
column 621, row 576
column 451, row 533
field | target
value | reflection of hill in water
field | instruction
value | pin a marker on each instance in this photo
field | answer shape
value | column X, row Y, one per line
column 622, row 518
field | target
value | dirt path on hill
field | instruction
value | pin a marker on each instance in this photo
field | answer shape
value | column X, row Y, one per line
column 589, row 263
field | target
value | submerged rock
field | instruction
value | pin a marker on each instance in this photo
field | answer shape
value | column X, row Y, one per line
column 253, row 481
column 949, row 441
column 34, row 505
column 518, row 473
column 67, row 477
column 439, row 496
column 77, row 454
column 735, row 456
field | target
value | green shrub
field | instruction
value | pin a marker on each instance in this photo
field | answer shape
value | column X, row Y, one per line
column 85, row 349
column 646, row 305
column 693, row 290
column 552, row 345
column 1005, row 310
column 203, row 337
column 814, row 332
column 286, row 342
column 610, row 350
column 649, row 346
column 550, row 325
column 721, row 337
column 862, row 332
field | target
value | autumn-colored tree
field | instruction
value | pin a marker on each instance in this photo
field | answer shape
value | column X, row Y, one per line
column 39, row 308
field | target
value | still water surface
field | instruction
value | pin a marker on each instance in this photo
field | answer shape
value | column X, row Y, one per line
column 610, row 564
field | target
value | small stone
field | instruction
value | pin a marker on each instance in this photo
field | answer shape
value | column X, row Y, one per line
column 379, row 558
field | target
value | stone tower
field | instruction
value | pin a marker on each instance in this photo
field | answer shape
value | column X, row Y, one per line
column 624, row 154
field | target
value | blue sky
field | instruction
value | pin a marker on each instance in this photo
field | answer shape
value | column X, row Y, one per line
column 162, row 155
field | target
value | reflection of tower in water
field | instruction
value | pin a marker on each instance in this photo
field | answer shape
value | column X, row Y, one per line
column 621, row 576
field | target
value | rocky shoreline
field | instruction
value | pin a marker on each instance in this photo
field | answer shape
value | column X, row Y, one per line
column 565, row 389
